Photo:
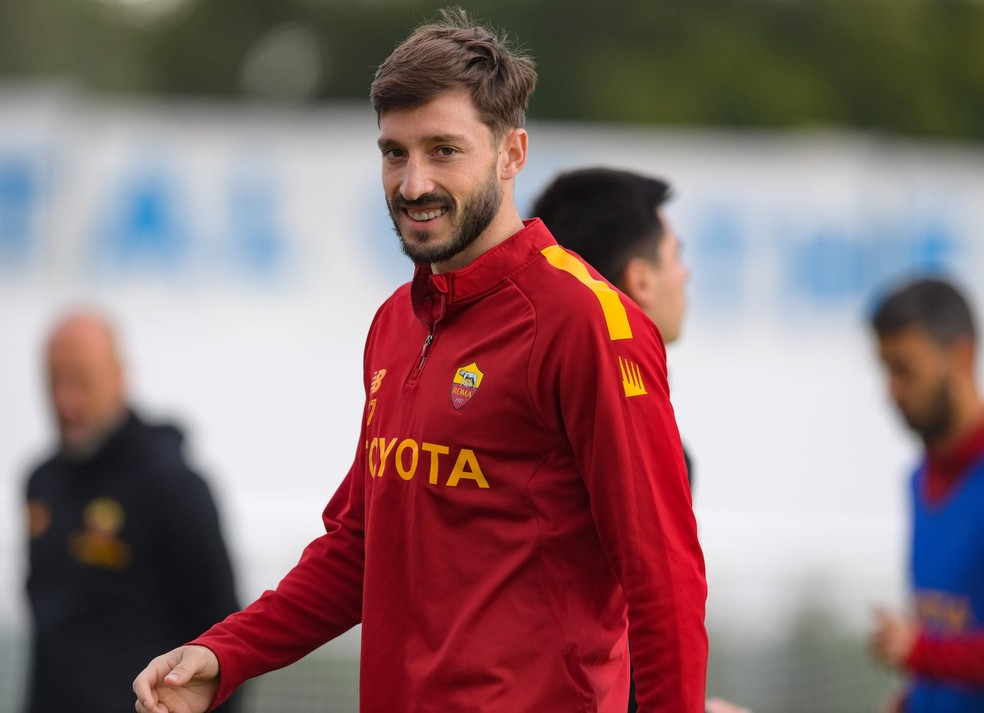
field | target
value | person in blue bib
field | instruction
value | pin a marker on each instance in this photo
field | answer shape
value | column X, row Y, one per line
column 927, row 342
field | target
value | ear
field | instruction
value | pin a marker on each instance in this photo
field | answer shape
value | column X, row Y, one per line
column 512, row 154
column 639, row 282
column 964, row 353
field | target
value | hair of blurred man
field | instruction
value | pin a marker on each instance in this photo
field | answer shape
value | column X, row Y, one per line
column 615, row 221
column 86, row 381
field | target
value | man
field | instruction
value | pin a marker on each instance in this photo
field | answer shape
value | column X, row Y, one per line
column 615, row 220
column 108, row 514
column 928, row 345
column 518, row 497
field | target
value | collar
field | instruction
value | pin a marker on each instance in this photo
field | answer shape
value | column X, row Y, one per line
column 490, row 269
column 952, row 461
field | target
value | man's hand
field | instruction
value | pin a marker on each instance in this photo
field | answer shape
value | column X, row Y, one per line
column 893, row 638
column 717, row 705
column 181, row 681
column 893, row 703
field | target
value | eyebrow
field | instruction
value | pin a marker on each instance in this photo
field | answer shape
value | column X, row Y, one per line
column 384, row 143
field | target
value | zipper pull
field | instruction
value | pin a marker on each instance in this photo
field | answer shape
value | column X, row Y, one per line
column 424, row 350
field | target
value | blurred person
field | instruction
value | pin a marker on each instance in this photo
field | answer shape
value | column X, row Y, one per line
column 615, row 220
column 927, row 342
column 518, row 503
column 125, row 550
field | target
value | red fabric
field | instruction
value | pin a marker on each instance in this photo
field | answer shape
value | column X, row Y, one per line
column 501, row 539
column 959, row 659
column 946, row 468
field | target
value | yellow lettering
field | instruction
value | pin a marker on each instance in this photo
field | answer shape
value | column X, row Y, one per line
column 407, row 473
column 384, row 452
column 467, row 458
column 435, row 450
column 372, row 466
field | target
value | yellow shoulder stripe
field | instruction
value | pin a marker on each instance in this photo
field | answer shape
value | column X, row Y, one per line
column 615, row 316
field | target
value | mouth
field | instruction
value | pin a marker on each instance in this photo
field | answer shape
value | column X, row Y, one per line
column 424, row 216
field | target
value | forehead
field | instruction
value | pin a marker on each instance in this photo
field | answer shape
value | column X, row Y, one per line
column 452, row 113
column 909, row 342
column 81, row 344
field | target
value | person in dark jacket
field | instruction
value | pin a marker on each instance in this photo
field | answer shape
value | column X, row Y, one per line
column 105, row 513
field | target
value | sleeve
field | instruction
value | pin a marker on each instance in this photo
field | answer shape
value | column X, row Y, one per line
column 319, row 599
column 955, row 659
column 614, row 403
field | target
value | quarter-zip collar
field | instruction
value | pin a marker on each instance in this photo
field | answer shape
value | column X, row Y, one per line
column 434, row 297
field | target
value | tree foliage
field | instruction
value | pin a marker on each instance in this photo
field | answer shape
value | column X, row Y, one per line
column 912, row 67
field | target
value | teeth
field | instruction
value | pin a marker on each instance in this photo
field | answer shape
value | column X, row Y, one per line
column 429, row 215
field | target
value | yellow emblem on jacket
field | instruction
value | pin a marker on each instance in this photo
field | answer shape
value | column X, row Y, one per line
column 465, row 384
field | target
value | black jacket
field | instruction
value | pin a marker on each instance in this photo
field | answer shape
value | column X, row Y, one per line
column 126, row 562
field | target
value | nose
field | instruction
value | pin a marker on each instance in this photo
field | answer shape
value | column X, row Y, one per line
column 416, row 180
column 66, row 401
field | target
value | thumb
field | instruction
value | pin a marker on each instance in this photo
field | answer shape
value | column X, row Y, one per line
column 181, row 673
column 179, row 676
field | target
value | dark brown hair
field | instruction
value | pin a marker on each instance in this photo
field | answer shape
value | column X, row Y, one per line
column 606, row 216
column 454, row 54
column 934, row 305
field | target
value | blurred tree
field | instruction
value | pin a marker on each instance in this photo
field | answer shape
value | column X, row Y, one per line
column 908, row 66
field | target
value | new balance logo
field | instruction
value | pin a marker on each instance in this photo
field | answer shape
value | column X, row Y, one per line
column 631, row 378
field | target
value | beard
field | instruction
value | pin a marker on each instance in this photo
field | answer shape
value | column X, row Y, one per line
column 467, row 221
column 936, row 420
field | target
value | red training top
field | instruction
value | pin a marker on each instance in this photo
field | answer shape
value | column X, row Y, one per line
column 517, row 510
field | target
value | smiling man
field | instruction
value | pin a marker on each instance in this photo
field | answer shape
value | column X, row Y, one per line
column 518, row 504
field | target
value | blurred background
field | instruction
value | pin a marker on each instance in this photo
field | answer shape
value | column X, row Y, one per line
column 206, row 171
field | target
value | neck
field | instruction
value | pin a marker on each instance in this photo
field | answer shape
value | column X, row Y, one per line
column 84, row 449
column 505, row 224
column 968, row 415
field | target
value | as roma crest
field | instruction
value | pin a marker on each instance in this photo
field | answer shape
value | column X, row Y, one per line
column 465, row 384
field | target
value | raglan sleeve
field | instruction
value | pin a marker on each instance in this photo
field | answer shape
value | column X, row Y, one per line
column 606, row 369
column 319, row 598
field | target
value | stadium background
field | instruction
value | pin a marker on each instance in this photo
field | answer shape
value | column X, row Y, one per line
column 206, row 170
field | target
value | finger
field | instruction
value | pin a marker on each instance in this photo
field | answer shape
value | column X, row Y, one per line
column 141, row 707
column 143, row 686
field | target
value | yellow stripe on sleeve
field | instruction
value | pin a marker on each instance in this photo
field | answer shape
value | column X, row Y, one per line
column 615, row 315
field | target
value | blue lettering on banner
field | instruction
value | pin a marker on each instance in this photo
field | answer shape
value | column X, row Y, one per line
column 720, row 255
column 19, row 207
column 149, row 227
column 256, row 242
column 797, row 264
column 145, row 227
column 837, row 265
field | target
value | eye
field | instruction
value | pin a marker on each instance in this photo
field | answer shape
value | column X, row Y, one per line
column 393, row 154
column 446, row 151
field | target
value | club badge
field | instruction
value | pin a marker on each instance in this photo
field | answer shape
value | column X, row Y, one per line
column 465, row 384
